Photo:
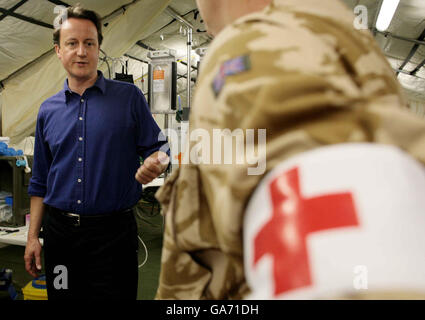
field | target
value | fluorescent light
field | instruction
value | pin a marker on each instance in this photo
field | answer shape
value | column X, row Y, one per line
column 386, row 14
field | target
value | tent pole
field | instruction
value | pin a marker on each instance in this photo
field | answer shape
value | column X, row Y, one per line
column 189, row 65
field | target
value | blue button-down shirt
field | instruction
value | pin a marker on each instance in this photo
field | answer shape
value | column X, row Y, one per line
column 87, row 148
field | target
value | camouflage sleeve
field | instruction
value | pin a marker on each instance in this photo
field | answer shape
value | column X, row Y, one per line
column 193, row 263
column 183, row 276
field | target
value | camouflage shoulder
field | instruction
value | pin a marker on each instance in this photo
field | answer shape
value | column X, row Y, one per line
column 241, row 51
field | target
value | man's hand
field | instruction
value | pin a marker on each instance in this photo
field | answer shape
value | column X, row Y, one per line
column 152, row 167
column 32, row 257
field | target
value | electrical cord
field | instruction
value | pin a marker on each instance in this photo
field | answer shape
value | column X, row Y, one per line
column 146, row 252
column 107, row 64
column 147, row 199
column 105, row 59
column 142, row 242
column 124, row 64
column 27, row 165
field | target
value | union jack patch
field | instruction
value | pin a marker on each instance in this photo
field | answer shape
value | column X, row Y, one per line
column 230, row 68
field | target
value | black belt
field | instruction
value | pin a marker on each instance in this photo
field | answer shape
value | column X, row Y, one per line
column 76, row 219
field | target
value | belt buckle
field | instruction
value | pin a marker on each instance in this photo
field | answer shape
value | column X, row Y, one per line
column 78, row 223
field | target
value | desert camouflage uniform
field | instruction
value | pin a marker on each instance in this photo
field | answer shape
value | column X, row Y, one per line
column 313, row 80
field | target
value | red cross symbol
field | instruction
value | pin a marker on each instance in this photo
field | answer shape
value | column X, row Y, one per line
column 293, row 219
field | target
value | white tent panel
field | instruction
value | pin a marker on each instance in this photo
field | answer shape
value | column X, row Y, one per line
column 38, row 10
column 27, row 90
column 105, row 7
column 21, row 42
column 131, row 26
column 183, row 6
column 7, row 4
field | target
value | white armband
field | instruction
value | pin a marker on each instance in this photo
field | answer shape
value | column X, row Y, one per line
column 337, row 220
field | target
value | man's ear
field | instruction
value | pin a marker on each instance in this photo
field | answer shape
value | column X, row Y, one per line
column 57, row 50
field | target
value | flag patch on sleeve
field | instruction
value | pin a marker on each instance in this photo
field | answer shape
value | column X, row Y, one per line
column 229, row 68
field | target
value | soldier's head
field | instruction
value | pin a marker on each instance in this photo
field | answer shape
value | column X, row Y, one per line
column 217, row 14
column 77, row 40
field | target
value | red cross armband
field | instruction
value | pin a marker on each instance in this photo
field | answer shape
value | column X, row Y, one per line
column 336, row 221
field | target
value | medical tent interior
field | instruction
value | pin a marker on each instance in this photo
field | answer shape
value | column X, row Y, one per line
column 30, row 72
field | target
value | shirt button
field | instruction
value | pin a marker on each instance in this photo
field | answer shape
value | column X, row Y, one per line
column 81, row 118
column 80, row 138
column 79, row 180
column 82, row 100
column 80, row 159
column 79, row 201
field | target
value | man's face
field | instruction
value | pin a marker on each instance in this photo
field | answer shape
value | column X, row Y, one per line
column 79, row 48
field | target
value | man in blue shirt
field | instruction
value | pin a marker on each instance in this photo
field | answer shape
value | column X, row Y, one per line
column 87, row 174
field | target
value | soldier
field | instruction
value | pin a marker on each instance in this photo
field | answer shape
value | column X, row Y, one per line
column 300, row 70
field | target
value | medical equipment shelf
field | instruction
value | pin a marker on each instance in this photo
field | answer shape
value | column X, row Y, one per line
column 13, row 179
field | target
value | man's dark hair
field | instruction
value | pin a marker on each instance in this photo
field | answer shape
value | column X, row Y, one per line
column 79, row 12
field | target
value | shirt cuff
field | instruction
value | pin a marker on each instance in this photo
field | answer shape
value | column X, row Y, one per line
column 37, row 190
column 146, row 153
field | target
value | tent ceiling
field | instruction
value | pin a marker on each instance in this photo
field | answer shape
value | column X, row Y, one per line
column 172, row 38
column 23, row 41
column 408, row 23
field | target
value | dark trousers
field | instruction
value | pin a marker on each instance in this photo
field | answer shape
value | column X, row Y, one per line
column 95, row 260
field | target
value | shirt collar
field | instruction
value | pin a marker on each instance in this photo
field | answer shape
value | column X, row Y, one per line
column 100, row 84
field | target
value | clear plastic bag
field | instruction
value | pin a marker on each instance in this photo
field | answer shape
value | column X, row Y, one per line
column 6, row 213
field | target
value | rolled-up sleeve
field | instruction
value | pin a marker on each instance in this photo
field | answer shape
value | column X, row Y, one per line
column 42, row 161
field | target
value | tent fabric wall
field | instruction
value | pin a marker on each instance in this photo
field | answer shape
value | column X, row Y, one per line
column 1, row 104
column 22, row 41
column 25, row 91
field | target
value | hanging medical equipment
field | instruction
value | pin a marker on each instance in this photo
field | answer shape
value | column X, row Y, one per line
column 162, row 82
column 201, row 53
column 125, row 77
